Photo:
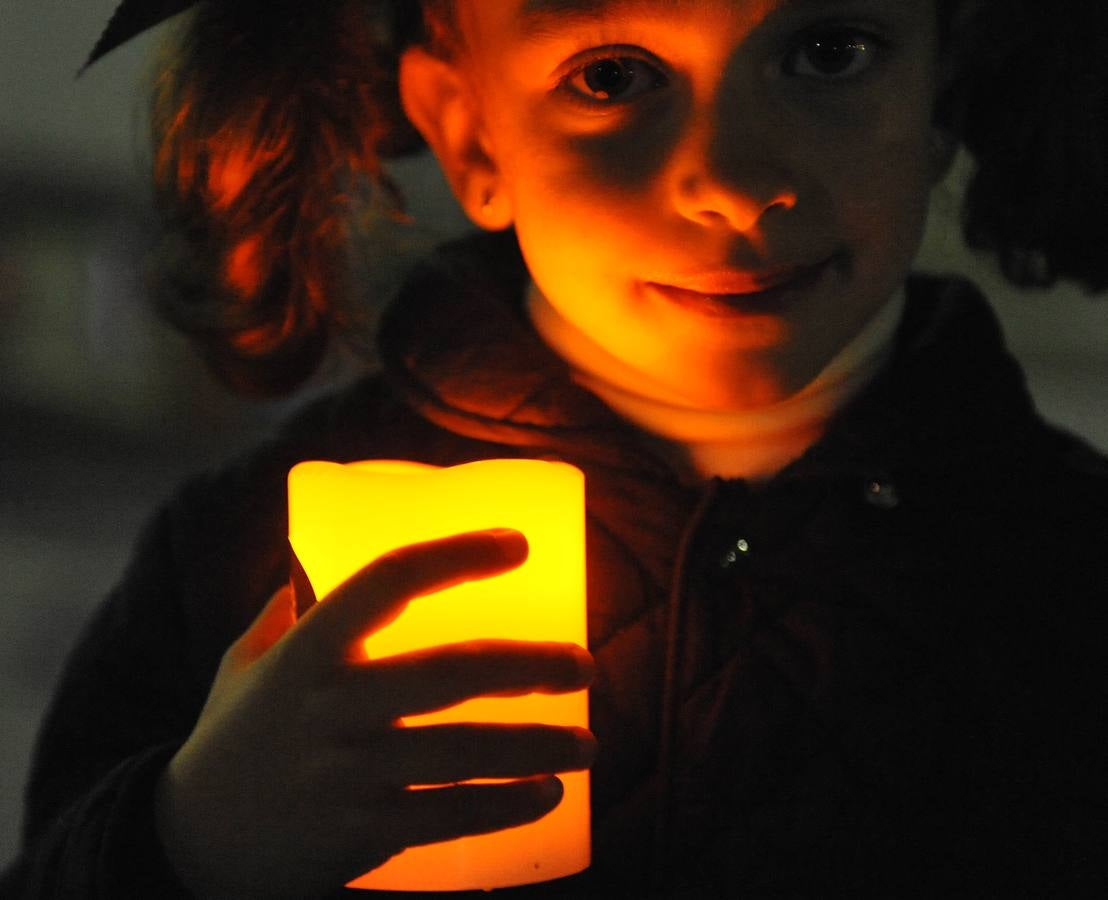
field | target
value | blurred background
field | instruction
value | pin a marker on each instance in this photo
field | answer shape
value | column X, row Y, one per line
column 103, row 410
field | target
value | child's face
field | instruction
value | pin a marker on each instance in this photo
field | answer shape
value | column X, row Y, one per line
column 654, row 142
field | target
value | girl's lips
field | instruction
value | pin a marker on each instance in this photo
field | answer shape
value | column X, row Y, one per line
column 764, row 302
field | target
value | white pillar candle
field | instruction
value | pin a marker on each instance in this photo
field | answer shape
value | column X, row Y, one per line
column 341, row 517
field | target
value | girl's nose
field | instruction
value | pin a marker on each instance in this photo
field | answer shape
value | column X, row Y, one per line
column 716, row 205
column 722, row 186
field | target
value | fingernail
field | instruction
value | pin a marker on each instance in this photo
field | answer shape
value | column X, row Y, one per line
column 551, row 789
column 586, row 748
column 586, row 665
column 511, row 544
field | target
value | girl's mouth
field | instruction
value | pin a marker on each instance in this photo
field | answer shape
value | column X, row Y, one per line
column 752, row 303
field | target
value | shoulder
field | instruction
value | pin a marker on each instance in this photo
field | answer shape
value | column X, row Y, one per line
column 1079, row 459
column 345, row 424
column 989, row 465
column 1068, row 489
column 232, row 522
column 225, row 530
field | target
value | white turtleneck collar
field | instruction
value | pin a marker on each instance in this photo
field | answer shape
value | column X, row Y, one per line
column 750, row 444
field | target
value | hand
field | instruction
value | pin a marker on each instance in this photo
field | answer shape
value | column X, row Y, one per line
column 295, row 778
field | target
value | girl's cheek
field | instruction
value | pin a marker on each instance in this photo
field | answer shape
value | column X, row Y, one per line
column 621, row 145
column 587, row 174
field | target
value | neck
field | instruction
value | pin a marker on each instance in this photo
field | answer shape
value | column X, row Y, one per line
column 701, row 443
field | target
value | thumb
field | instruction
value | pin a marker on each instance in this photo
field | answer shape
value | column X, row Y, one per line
column 276, row 617
column 301, row 587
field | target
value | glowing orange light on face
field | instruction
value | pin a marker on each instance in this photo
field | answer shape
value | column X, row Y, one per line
column 342, row 517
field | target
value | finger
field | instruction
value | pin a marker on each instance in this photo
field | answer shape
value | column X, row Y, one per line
column 270, row 625
column 444, row 754
column 430, row 815
column 375, row 595
column 433, row 678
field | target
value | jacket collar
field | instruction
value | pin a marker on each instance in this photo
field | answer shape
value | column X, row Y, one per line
column 457, row 343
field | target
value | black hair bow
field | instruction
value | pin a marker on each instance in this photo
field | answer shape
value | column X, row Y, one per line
column 133, row 17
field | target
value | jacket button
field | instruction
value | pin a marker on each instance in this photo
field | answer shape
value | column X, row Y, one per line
column 881, row 494
column 741, row 547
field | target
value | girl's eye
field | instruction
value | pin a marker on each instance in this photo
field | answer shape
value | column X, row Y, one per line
column 613, row 79
column 833, row 55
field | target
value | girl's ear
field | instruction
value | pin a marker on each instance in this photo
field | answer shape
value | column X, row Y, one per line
column 439, row 101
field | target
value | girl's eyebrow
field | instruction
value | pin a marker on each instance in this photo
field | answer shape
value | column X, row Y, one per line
column 544, row 19
column 548, row 18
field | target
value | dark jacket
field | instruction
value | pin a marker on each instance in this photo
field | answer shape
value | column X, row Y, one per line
column 897, row 689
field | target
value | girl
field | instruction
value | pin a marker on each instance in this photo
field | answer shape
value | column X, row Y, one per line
column 844, row 585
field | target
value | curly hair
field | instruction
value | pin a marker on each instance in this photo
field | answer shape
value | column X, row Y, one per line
column 269, row 127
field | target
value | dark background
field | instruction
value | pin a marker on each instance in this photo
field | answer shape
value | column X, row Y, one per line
column 103, row 410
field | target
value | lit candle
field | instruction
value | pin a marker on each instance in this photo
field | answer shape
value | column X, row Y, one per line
column 342, row 517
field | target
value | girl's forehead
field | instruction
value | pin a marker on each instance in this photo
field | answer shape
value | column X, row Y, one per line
column 531, row 16
column 535, row 19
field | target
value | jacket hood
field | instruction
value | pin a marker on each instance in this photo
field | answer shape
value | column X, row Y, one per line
column 458, row 345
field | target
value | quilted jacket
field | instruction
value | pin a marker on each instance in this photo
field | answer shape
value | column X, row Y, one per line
column 881, row 674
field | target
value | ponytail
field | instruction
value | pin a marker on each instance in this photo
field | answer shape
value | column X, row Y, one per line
column 267, row 120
